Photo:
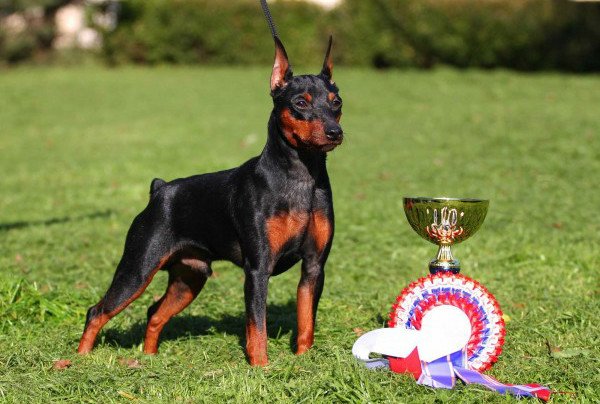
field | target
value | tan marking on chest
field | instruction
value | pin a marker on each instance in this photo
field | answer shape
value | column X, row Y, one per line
column 319, row 229
column 283, row 227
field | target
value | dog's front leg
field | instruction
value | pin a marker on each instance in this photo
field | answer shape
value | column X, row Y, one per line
column 308, row 295
column 255, row 294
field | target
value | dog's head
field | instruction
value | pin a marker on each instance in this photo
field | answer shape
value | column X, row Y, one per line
column 308, row 107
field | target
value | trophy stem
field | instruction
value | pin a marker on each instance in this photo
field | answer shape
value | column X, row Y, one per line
column 444, row 261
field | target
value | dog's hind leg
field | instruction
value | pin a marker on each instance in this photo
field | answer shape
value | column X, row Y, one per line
column 186, row 280
column 142, row 258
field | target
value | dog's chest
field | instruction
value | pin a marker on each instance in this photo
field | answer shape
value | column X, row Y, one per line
column 287, row 226
column 299, row 219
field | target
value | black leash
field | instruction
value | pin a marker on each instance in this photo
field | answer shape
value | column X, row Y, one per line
column 267, row 12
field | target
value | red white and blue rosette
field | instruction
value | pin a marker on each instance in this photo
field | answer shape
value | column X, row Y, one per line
column 448, row 289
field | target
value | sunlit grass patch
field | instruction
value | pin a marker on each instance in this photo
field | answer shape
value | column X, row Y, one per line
column 78, row 151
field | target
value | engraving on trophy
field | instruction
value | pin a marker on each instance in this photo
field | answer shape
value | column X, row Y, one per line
column 445, row 230
column 445, row 222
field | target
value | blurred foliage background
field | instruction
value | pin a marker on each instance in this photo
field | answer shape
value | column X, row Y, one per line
column 516, row 34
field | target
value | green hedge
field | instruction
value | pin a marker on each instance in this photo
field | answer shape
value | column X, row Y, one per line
column 209, row 31
column 518, row 34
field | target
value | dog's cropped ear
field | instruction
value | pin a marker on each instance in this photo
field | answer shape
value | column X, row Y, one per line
column 282, row 71
column 327, row 71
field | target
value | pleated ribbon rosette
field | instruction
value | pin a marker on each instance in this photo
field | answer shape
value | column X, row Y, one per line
column 475, row 301
column 443, row 327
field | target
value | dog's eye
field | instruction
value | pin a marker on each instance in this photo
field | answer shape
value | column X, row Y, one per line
column 301, row 104
column 337, row 103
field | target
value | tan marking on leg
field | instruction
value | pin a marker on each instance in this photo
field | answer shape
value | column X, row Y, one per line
column 141, row 290
column 256, row 344
column 86, row 344
column 183, row 288
column 306, row 321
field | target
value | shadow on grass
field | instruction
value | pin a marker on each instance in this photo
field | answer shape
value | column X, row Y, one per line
column 281, row 319
column 55, row 220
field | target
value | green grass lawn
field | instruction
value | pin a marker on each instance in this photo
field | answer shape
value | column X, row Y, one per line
column 78, row 148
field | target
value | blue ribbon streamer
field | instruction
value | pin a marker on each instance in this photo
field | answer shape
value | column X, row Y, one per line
column 442, row 373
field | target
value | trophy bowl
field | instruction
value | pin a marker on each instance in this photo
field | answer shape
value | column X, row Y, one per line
column 444, row 222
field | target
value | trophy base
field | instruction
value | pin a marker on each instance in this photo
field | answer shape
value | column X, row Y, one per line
column 452, row 266
column 444, row 261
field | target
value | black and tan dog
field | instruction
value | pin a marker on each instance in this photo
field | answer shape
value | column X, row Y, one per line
column 264, row 216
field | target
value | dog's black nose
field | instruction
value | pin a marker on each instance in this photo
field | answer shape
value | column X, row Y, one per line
column 334, row 133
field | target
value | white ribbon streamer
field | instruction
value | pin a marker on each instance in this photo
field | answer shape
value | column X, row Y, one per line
column 445, row 329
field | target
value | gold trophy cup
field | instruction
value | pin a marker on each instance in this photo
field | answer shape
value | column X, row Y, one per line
column 444, row 222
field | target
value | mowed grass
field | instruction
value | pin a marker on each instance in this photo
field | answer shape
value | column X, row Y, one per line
column 79, row 147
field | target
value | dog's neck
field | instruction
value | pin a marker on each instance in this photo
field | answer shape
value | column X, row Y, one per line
column 278, row 155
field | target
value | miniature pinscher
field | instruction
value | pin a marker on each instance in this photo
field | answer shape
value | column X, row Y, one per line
column 264, row 216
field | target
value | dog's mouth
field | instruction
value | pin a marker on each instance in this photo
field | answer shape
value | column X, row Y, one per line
column 320, row 143
column 331, row 145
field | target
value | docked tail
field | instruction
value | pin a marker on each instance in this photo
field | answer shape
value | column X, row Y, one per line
column 156, row 184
